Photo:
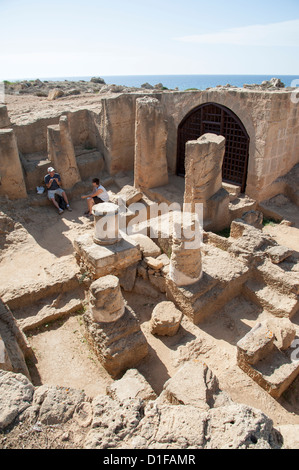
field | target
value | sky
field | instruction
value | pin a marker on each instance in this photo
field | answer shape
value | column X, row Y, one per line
column 72, row 38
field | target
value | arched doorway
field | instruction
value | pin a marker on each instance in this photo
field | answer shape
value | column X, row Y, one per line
column 217, row 119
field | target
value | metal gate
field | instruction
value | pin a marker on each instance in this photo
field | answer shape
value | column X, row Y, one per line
column 216, row 119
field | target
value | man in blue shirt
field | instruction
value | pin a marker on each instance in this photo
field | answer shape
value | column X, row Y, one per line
column 53, row 183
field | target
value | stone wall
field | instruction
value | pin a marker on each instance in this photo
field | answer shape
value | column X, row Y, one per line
column 270, row 118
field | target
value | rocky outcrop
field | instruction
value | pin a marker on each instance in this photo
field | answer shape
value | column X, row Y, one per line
column 203, row 417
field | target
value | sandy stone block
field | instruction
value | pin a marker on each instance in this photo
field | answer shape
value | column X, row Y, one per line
column 154, row 263
column 256, row 344
column 131, row 385
column 127, row 278
column 279, row 253
column 237, row 228
column 195, row 384
column 129, row 194
column 54, row 94
column 166, row 319
column 147, row 246
column 283, row 330
column 158, row 281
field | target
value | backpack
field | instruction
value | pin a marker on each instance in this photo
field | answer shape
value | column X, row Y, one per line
column 61, row 201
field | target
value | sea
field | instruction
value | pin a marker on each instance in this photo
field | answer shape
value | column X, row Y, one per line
column 185, row 82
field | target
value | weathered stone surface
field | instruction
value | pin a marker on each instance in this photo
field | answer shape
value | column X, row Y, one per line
column 279, row 253
column 143, row 287
column 147, row 246
column 55, row 405
column 186, row 426
column 103, row 260
column 239, row 427
column 131, row 385
column 195, row 384
column 112, row 422
column 127, row 278
column 153, row 263
column 256, row 345
column 54, row 94
column 203, row 165
column 14, row 347
column 119, row 345
column 126, row 423
column 5, row 363
column 290, row 435
column 284, row 331
column 150, row 148
column 4, row 118
column 61, row 153
column 105, row 300
column 16, row 394
column 169, row 427
column 12, row 178
column 185, row 266
column 129, row 195
column 158, row 281
column 165, row 319
column 254, row 218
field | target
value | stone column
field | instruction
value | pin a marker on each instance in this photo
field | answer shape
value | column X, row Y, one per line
column 112, row 327
column 106, row 220
column 203, row 181
column 12, row 183
column 62, row 154
column 106, row 300
column 185, row 262
column 150, row 169
column 4, row 118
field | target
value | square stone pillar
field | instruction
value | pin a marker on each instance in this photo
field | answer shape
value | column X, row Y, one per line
column 62, row 154
column 150, row 168
column 203, row 167
column 12, row 183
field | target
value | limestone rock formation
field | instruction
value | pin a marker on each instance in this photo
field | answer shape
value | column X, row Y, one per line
column 16, row 393
column 202, row 418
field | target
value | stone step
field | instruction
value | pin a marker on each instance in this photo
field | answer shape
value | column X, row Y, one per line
column 233, row 190
column 61, row 278
column 274, row 373
column 280, row 276
column 280, row 305
column 49, row 309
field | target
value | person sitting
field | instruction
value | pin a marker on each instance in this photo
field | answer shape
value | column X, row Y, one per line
column 53, row 184
column 98, row 196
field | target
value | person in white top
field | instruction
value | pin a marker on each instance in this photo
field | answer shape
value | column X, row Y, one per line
column 98, row 196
